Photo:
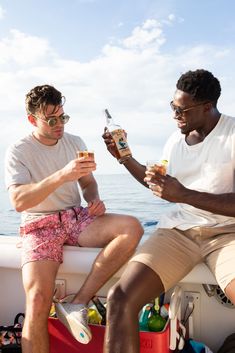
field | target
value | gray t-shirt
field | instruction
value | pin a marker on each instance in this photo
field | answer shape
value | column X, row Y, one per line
column 28, row 161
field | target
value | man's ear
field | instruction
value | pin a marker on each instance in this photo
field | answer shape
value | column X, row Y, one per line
column 208, row 106
column 32, row 119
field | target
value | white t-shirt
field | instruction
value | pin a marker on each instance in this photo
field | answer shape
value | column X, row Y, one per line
column 28, row 161
column 208, row 166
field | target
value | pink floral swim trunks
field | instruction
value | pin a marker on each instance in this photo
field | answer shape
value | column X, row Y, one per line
column 44, row 237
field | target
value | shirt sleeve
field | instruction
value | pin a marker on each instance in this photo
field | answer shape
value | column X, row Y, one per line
column 16, row 172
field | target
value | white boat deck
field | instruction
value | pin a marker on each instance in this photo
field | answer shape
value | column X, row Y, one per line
column 79, row 260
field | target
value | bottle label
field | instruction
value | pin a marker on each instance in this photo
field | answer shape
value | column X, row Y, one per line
column 121, row 143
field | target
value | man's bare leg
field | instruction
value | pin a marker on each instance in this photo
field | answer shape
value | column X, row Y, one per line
column 118, row 235
column 39, row 282
column 137, row 286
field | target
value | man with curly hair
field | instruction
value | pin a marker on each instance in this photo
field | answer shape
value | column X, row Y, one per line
column 43, row 171
column 200, row 225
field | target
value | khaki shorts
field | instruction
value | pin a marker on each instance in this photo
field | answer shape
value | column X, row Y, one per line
column 173, row 253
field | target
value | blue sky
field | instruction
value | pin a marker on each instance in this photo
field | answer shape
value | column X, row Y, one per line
column 123, row 55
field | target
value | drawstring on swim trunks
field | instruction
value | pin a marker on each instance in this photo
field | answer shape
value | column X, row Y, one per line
column 60, row 218
column 75, row 213
column 76, row 216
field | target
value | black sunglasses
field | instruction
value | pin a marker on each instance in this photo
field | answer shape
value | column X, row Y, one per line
column 180, row 111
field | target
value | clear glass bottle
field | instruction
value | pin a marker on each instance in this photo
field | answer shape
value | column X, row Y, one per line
column 122, row 149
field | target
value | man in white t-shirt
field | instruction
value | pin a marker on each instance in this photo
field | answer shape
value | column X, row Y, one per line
column 42, row 172
column 200, row 225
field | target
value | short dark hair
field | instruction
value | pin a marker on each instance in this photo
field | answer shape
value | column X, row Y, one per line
column 201, row 85
column 40, row 96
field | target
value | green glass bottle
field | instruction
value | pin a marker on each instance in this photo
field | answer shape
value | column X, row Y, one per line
column 156, row 322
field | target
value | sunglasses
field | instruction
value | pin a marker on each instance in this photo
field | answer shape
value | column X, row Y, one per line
column 179, row 111
column 64, row 118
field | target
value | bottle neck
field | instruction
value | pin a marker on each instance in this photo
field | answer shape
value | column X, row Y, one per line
column 111, row 124
column 109, row 121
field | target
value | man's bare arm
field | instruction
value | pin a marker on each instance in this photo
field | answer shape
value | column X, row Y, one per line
column 136, row 169
column 170, row 189
column 30, row 195
column 89, row 188
column 223, row 204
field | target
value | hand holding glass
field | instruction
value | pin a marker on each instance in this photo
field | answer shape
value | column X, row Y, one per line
column 86, row 154
column 153, row 166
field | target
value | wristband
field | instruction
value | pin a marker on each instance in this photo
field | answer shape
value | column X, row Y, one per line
column 124, row 159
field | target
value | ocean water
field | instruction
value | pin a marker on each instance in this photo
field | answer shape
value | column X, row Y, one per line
column 121, row 194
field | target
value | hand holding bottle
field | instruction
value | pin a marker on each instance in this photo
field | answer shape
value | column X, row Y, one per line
column 115, row 139
column 110, row 144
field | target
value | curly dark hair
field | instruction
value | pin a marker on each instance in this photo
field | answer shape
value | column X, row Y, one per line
column 201, row 85
column 40, row 96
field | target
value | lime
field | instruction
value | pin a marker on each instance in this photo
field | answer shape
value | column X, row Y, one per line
column 156, row 323
column 93, row 316
column 164, row 162
column 52, row 310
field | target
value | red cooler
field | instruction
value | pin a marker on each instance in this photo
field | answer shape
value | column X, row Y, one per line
column 61, row 341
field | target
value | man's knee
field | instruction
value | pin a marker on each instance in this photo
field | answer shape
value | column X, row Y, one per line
column 38, row 302
column 116, row 297
column 135, row 224
column 120, row 306
column 133, row 228
column 130, row 230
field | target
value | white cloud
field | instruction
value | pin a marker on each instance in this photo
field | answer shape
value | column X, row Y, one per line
column 171, row 17
column 22, row 49
column 171, row 20
column 150, row 34
column 134, row 79
column 2, row 12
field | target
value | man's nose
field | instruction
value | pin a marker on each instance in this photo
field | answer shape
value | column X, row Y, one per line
column 176, row 115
